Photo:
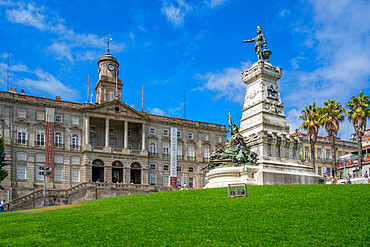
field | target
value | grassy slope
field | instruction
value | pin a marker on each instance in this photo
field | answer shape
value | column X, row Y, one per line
column 270, row 215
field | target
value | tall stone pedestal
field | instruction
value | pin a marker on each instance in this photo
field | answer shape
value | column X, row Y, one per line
column 222, row 177
column 264, row 127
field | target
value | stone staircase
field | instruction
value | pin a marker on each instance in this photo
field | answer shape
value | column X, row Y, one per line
column 82, row 192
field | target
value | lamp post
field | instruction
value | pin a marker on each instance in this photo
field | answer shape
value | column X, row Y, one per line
column 33, row 195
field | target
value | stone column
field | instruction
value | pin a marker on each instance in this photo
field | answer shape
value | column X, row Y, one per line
column 107, row 132
column 143, row 151
column 87, row 130
column 143, row 137
column 125, row 141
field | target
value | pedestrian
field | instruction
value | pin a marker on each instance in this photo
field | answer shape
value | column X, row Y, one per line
column 2, row 206
column 366, row 174
column 367, row 179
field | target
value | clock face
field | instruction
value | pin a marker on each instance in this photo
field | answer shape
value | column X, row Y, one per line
column 110, row 67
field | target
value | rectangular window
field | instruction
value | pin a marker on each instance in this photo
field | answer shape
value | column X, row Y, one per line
column 40, row 137
column 166, row 181
column 328, row 169
column 339, row 154
column 93, row 129
column 166, row 168
column 179, row 181
column 38, row 171
column 152, row 148
column 58, row 138
column 58, row 118
column 153, row 179
column 21, row 113
column 40, row 157
column 112, row 144
column 328, row 154
column 58, row 174
column 206, row 153
column 21, row 156
column 179, row 134
column 319, row 170
column 166, row 147
column 21, row 172
column 58, row 159
column 75, row 175
column 111, row 131
column 75, row 141
column 191, row 152
column 191, row 182
column 75, row 160
column 206, row 137
column 319, row 153
column 152, row 130
column 306, row 152
column 75, row 120
column 165, row 132
column 179, row 152
column 190, row 135
column 21, row 136
column 40, row 116
column 219, row 138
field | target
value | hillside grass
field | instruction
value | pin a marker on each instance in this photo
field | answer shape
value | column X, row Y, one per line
column 281, row 215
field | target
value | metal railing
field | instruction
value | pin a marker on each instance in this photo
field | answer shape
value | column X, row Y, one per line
column 153, row 155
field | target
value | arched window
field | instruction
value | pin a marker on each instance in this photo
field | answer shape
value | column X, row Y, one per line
column 98, row 163
column 117, row 164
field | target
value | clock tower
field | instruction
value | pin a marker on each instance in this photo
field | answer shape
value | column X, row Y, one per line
column 109, row 86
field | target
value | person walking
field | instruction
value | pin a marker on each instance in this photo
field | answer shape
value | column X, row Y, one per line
column 367, row 181
column 2, row 206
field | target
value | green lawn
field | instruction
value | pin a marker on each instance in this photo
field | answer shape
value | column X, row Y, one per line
column 294, row 215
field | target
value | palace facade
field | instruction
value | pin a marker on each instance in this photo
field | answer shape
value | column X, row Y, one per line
column 108, row 141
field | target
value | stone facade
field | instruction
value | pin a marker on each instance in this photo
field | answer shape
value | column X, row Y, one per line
column 264, row 127
column 109, row 141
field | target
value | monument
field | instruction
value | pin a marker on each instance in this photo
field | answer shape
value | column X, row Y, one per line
column 263, row 124
column 235, row 164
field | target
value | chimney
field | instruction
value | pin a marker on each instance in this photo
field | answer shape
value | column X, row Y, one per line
column 57, row 97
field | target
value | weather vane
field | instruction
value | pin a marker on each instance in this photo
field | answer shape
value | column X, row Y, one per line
column 108, row 39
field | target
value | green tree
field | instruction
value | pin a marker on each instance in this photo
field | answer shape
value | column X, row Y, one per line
column 311, row 116
column 358, row 114
column 332, row 114
column 3, row 173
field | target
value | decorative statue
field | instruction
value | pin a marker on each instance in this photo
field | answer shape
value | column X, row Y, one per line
column 261, row 54
column 237, row 153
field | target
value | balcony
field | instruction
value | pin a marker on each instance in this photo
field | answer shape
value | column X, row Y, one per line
column 75, row 147
column 190, row 158
column 59, row 145
column 39, row 144
column 205, row 159
column 180, row 157
column 153, row 155
column 165, row 156
column 22, row 142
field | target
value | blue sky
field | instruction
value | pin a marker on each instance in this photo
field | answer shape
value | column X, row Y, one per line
column 175, row 45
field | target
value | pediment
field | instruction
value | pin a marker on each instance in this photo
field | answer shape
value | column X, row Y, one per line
column 116, row 108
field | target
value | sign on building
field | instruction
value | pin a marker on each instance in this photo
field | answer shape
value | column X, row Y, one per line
column 49, row 142
column 173, row 160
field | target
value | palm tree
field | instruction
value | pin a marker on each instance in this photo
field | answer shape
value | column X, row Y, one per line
column 358, row 114
column 311, row 116
column 331, row 116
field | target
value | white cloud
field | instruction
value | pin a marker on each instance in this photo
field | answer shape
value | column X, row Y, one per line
column 339, row 37
column 227, row 84
column 214, row 3
column 67, row 44
column 156, row 111
column 43, row 82
column 175, row 11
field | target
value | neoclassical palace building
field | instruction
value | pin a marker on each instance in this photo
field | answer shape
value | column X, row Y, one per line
column 108, row 142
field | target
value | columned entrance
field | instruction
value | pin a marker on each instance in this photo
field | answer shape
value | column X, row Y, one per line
column 135, row 173
column 98, row 171
column 117, row 172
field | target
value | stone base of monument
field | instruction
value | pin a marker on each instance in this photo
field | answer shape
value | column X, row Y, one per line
column 271, row 173
column 222, row 177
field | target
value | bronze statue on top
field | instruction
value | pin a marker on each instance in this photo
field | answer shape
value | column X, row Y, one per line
column 261, row 54
column 237, row 153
